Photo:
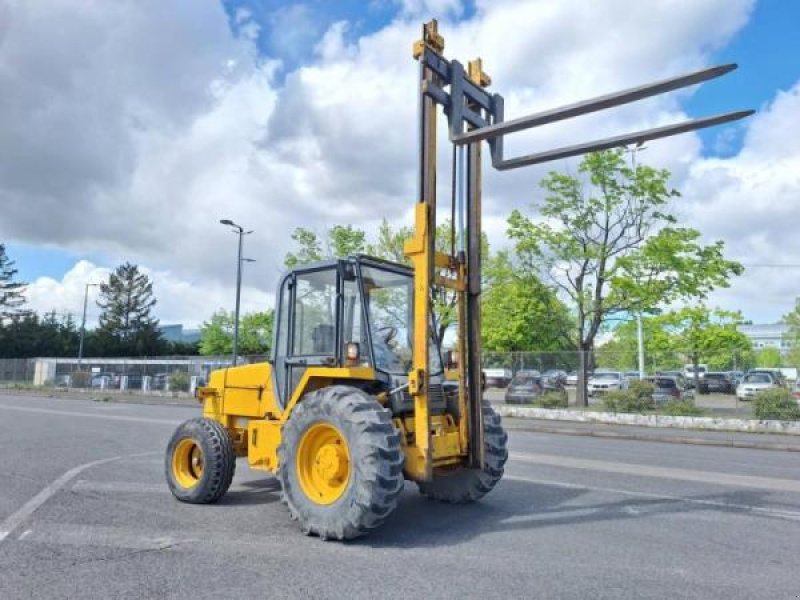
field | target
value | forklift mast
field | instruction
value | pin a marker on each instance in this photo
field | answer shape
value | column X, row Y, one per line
column 475, row 115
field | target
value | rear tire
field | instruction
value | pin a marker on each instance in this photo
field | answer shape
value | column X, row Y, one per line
column 200, row 461
column 341, row 463
column 462, row 486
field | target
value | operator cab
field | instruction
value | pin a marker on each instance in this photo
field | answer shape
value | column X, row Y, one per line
column 352, row 312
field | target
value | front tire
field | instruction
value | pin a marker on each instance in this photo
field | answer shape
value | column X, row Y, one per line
column 341, row 463
column 200, row 461
column 462, row 486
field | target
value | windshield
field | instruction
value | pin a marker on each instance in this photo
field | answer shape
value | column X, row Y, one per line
column 525, row 380
column 388, row 297
column 605, row 376
column 663, row 383
column 758, row 378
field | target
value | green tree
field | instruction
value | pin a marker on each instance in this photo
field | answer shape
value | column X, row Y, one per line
column 711, row 337
column 255, row 333
column 769, row 358
column 792, row 336
column 127, row 326
column 30, row 335
column 12, row 292
column 338, row 241
column 520, row 313
column 607, row 241
column 389, row 245
column 622, row 351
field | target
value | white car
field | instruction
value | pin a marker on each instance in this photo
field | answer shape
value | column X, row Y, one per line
column 753, row 383
column 604, row 381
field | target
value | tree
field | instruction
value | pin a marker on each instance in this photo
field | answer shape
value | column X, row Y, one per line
column 390, row 244
column 127, row 326
column 339, row 241
column 30, row 335
column 622, row 351
column 520, row 313
column 792, row 336
column 694, row 334
column 611, row 247
column 255, row 333
column 708, row 336
column 769, row 357
column 12, row 293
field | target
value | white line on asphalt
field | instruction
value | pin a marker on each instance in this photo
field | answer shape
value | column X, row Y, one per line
column 133, row 487
column 14, row 520
column 65, row 534
column 604, row 466
column 88, row 415
column 771, row 512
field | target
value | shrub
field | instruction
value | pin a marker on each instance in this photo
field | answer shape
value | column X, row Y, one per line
column 776, row 403
column 627, row 401
column 681, row 408
column 641, row 389
column 552, row 400
column 179, row 381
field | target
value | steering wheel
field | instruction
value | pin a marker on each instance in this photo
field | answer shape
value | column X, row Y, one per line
column 388, row 333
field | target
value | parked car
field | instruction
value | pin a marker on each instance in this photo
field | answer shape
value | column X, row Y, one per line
column 497, row 378
column 688, row 373
column 755, row 382
column 631, row 375
column 719, row 382
column 776, row 374
column 556, row 376
column 603, row 381
column 796, row 390
column 528, row 386
column 572, row 379
column 668, row 388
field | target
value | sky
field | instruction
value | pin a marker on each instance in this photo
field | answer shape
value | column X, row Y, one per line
column 129, row 129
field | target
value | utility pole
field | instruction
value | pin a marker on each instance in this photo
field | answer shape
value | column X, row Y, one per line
column 640, row 338
column 639, row 333
column 241, row 232
column 83, row 322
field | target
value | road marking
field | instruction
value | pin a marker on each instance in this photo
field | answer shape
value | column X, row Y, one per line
column 133, row 487
column 603, row 466
column 88, row 415
column 770, row 512
column 125, row 487
column 16, row 519
column 65, row 534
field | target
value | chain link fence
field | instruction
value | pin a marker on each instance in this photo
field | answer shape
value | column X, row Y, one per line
column 158, row 374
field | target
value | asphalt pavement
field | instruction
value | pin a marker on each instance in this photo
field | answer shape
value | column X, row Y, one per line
column 85, row 513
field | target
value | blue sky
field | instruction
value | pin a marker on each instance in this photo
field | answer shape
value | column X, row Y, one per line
column 767, row 50
column 130, row 202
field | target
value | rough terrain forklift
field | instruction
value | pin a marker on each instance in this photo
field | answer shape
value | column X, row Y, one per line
column 355, row 399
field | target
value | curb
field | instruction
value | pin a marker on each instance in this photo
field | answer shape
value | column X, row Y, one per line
column 606, row 418
column 653, row 438
column 112, row 397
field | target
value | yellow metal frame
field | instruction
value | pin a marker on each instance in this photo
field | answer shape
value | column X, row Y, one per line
column 244, row 398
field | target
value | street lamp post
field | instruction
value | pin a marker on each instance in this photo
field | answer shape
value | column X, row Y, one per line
column 639, row 335
column 83, row 322
column 241, row 232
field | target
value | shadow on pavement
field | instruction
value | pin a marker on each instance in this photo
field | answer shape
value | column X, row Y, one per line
column 521, row 506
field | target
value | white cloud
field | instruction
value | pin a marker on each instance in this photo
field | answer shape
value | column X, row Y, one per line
column 750, row 201
column 179, row 300
column 131, row 129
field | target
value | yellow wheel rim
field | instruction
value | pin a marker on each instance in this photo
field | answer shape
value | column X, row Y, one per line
column 323, row 463
column 187, row 463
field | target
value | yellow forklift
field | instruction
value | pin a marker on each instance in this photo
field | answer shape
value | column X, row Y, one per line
column 356, row 397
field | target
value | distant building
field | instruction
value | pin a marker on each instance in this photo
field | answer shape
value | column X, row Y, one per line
column 176, row 333
column 767, row 336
